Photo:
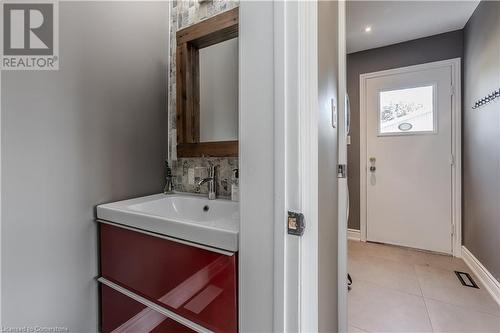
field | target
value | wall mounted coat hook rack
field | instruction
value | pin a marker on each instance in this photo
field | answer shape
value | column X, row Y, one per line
column 487, row 99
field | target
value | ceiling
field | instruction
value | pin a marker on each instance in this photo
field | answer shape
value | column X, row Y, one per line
column 393, row 22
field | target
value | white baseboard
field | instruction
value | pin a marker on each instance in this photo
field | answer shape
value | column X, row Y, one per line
column 490, row 283
column 353, row 234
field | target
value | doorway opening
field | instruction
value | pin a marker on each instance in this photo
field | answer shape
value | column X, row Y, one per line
column 405, row 252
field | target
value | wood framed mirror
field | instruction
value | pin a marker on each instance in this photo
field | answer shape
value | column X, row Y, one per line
column 207, row 116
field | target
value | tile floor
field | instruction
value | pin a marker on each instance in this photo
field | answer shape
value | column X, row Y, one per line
column 403, row 290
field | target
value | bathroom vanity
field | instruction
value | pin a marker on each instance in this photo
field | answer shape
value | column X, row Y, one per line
column 169, row 264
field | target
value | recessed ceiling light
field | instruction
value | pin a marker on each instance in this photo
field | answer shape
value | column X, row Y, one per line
column 368, row 29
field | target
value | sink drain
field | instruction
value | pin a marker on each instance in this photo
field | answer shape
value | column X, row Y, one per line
column 206, row 208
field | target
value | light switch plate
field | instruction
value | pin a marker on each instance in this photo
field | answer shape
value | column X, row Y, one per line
column 334, row 112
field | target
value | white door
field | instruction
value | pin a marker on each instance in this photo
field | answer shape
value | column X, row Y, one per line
column 409, row 158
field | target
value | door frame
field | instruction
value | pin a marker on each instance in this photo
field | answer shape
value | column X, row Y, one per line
column 296, row 259
column 295, row 152
column 456, row 144
column 343, row 192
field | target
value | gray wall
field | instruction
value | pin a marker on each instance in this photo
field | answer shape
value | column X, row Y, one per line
column 481, row 137
column 92, row 132
column 327, row 162
column 439, row 47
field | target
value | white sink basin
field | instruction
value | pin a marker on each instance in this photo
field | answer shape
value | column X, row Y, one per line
column 213, row 223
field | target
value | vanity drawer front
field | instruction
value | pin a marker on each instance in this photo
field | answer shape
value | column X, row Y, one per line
column 120, row 313
column 198, row 284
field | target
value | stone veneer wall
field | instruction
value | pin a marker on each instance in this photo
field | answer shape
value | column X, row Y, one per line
column 184, row 14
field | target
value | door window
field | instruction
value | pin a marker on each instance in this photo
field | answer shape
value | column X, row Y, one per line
column 407, row 111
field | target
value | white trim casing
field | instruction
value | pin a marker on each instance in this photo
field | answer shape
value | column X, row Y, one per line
column 354, row 234
column 287, row 166
column 362, row 162
column 280, row 171
column 1, row 200
column 343, row 192
column 456, row 223
column 491, row 284
column 308, row 152
column 456, row 146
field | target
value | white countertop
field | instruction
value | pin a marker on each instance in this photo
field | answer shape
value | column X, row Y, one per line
column 213, row 223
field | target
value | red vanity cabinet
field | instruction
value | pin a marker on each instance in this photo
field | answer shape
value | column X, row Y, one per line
column 198, row 284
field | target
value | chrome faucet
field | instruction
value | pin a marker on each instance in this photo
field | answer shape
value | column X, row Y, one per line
column 211, row 182
column 169, row 185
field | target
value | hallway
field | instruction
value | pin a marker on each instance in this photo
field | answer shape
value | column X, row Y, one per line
column 403, row 290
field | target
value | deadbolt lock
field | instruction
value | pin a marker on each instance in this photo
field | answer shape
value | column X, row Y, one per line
column 372, row 162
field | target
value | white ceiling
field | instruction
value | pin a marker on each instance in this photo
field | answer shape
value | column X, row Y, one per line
column 398, row 21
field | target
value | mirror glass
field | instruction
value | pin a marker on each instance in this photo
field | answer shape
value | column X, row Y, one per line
column 219, row 91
